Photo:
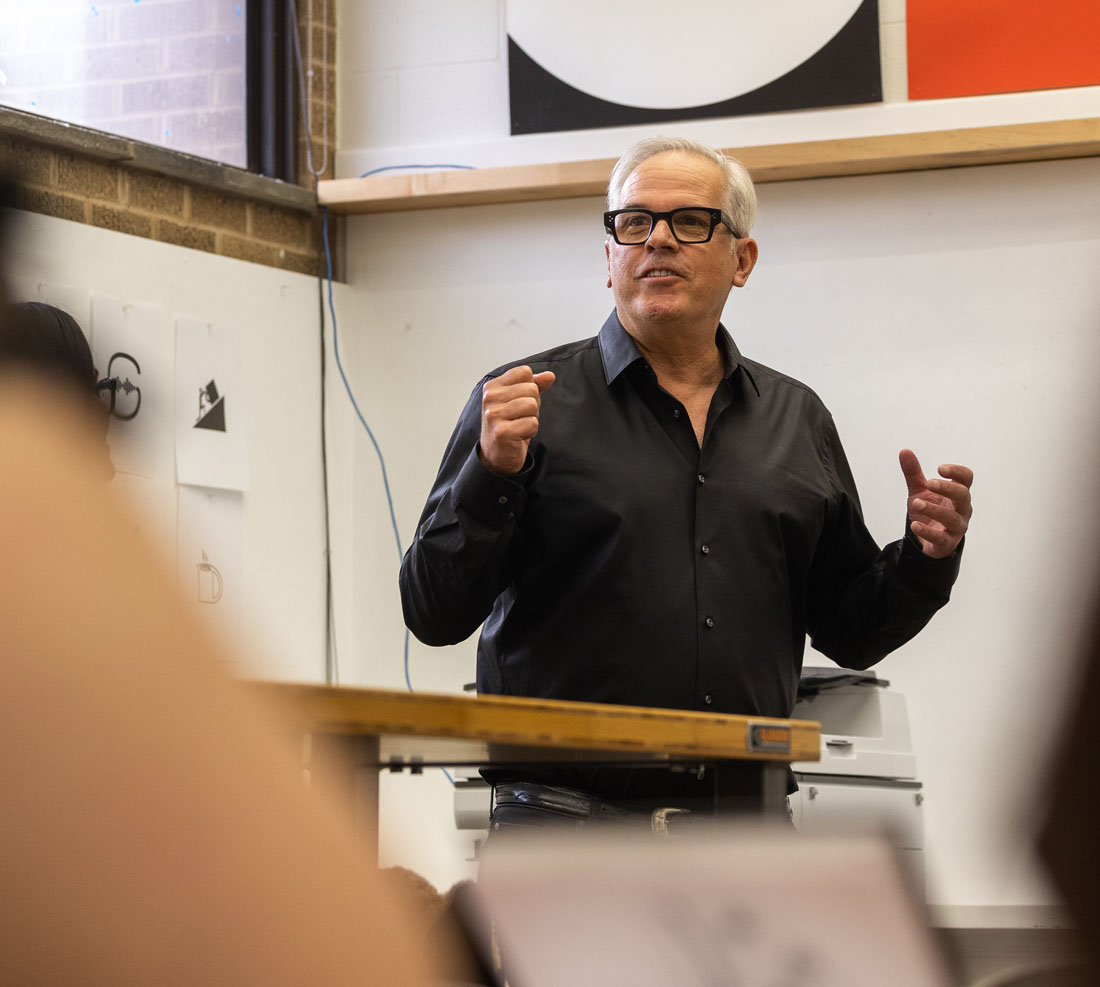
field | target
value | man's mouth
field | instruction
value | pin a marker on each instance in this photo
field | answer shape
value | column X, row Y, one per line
column 661, row 272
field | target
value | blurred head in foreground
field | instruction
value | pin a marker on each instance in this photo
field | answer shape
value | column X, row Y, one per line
column 47, row 343
column 48, row 339
column 155, row 824
column 139, row 771
column 7, row 203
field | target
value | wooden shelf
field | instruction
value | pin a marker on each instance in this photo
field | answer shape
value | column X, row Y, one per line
column 768, row 163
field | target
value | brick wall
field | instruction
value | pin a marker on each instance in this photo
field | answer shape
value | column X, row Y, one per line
column 177, row 199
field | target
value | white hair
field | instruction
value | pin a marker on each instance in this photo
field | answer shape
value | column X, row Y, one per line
column 740, row 197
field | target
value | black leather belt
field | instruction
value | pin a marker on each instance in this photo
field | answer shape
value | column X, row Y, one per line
column 583, row 807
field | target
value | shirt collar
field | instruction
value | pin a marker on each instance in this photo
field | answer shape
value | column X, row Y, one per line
column 618, row 351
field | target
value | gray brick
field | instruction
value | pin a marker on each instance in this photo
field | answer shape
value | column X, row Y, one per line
column 94, row 179
column 205, row 128
column 154, row 193
column 173, row 93
column 119, row 62
column 287, row 227
column 121, row 220
column 143, row 22
column 185, row 236
column 302, row 263
column 211, row 208
column 30, row 164
column 51, row 204
column 32, row 72
column 230, row 16
column 250, row 250
column 42, row 26
column 229, row 88
column 76, row 102
column 207, row 53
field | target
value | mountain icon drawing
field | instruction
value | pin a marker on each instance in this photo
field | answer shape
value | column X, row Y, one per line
column 211, row 408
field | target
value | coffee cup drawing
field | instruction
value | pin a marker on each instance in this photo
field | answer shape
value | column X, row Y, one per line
column 209, row 581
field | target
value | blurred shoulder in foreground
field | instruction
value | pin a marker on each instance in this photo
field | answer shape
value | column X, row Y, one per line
column 156, row 829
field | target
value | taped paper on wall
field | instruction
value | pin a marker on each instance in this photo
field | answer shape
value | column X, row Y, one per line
column 134, row 343
column 211, row 564
column 211, row 450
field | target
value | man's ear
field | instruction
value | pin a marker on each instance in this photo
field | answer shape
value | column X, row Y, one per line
column 747, row 252
column 607, row 254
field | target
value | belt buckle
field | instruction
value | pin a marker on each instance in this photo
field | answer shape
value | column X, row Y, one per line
column 658, row 818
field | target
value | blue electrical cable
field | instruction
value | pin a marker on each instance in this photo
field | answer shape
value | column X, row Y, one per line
column 363, row 421
column 359, row 414
column 344, row 378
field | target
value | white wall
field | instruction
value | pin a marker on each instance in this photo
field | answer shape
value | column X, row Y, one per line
column 282, row 622
column 953, row 311
column 923, row 313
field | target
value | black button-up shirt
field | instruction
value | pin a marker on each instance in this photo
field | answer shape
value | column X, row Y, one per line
column 628, row 564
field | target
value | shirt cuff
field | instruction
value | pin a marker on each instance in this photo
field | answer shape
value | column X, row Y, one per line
column 922, row 570
column 491, row 498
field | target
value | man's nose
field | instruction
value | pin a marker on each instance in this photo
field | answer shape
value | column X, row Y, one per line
column 662, row 234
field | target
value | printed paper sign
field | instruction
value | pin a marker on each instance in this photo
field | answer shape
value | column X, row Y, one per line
column 133, row 344
column 210, row 406
column 211, row 570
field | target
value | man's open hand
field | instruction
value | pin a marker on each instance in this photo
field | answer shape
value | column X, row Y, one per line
column 939, row 509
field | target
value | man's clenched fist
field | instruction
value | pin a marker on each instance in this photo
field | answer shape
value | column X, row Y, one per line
column 510, row 418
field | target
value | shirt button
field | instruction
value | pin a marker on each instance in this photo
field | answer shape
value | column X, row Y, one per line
column 706, row 550
column 709, row 621
column 702, row 479
column 675, row 412
column 502, row 500
column 708, row 698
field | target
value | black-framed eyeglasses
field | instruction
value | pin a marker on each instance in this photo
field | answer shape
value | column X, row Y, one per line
column 689, row 224
column 107, row 392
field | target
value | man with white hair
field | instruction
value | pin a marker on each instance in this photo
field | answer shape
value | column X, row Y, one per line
column 647, row 517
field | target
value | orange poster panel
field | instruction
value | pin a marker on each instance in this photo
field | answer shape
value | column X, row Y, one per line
column 972, row 47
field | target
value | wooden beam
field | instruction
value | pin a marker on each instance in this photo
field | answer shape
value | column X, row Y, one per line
column 768, row 163
column 922, row 151
column 533, row 723
column 477, row 187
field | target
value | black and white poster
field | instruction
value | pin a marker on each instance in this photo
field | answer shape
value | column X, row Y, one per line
column 134, row 343
column 574, row 64
column 212, row 561
column 211, row 450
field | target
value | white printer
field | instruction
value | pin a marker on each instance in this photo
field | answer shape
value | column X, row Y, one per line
column 866, row 778
column 867, row 775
